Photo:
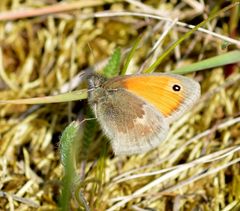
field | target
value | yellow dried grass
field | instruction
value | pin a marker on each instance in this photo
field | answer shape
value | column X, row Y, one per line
column 196, row 168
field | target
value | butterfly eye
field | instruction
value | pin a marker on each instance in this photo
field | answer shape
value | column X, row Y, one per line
column 176, row 88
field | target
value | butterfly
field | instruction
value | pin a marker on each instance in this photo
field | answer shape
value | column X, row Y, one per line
column 135, row 111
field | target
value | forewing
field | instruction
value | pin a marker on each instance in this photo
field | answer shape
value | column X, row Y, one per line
column 158, row 90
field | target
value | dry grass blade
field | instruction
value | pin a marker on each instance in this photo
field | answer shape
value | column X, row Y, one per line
column 49, row 10
column 28, row 202
column 146, row 15
column 173, row 174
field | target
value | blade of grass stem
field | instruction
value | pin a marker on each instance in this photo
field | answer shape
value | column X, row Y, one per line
column 112, row 67
column 220, row 60
column 66, row 97
column 130, row 55
column 68, row 161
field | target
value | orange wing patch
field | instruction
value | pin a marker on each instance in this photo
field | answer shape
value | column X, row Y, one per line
column 158, row 91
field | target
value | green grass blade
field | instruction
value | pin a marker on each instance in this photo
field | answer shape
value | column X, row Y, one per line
column 112, row 68
column 90, row 129
column 66, row 97
column 130, row 55
column 185, row 36
column 68, row 160
column 220, row 60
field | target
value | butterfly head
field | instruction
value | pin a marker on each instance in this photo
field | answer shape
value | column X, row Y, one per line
column 95, row 89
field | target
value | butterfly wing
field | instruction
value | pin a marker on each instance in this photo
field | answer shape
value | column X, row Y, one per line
column 170, row 94
column 132, row 125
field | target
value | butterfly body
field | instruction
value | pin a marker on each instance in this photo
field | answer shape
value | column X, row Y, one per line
column 135, row 111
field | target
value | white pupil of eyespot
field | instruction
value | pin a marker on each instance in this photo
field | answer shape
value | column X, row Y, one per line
column 176, row 88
